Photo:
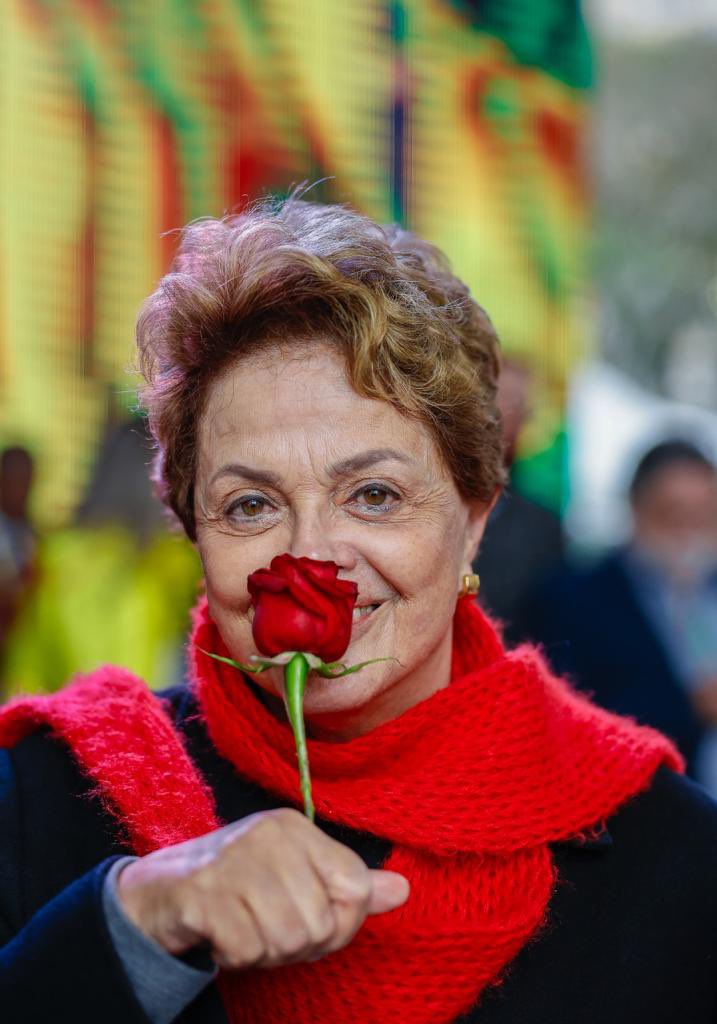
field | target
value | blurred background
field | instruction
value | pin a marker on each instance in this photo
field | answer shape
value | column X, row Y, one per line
column 563, row 156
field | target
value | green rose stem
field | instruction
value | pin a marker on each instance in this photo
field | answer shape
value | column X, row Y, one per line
column 295, row 676
column 297, row 665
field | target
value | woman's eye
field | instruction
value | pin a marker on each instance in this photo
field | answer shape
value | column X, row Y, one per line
column 376, row 496
column 249, row 507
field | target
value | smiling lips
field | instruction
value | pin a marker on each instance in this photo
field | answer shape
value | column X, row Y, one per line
column 358, row 613
column 363, row 612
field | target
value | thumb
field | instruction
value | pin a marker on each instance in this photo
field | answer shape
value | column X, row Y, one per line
column 390, row 890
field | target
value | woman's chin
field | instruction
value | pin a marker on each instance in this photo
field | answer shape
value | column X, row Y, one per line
column 325, row 696
column 341, row 709
column 336, row 696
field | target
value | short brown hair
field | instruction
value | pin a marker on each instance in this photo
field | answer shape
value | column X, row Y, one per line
column 409, row 330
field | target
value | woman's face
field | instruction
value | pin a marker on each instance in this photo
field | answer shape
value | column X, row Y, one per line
column 290, row 458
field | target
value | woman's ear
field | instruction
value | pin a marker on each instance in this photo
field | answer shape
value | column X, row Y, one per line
column 478, row 513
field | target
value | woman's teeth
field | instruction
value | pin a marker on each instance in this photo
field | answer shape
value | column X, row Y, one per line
column 361, row 613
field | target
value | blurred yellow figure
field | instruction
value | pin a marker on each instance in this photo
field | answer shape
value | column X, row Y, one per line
column 99, row 598
column 115, row 586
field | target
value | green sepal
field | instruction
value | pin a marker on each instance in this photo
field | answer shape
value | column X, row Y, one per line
column 235, row 664
column 330, row 671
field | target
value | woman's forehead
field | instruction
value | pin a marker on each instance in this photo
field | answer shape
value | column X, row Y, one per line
column 303, row 408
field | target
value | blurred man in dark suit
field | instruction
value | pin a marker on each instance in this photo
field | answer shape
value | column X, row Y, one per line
column 639, row 630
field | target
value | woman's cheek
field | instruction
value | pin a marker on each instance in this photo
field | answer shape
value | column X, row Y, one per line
column 422, row 564
column 226, row 586
column 227, row 562
column 233, row 625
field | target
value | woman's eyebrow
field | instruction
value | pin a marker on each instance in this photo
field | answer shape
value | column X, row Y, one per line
column 365, row 459
column 343, row 468
column 259, row 476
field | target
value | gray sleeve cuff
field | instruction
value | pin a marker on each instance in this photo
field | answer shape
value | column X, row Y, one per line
column 163, row 984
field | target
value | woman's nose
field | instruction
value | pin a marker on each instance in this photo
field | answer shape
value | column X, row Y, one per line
column 315, row 536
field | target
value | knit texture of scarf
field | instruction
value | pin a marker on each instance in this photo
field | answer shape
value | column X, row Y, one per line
column 470, row 786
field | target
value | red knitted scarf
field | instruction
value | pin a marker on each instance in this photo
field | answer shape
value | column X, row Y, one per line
column 470, row 786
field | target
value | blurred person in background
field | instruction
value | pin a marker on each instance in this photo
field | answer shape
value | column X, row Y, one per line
column 523, row 541
column 115, row 585
column 17, row 536
column 639, row 630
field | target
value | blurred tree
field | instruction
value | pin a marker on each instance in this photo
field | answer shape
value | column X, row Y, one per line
column 655, row 249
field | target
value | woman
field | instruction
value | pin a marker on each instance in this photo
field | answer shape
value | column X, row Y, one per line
column 489, row 846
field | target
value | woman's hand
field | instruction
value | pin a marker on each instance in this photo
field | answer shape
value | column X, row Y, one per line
column 267, row 890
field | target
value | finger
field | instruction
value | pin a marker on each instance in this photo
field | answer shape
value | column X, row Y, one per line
column 281, row 887
column 347, row 883
column 235, row 941
column 308, row 892
column 342, row 872
column 272, row 903
column 389, row 891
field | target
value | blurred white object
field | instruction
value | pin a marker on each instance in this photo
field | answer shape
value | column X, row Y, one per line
column 691, row 371
column 611, row 423
column 652, row 19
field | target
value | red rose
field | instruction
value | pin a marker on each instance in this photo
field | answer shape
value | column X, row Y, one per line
column 301, row 605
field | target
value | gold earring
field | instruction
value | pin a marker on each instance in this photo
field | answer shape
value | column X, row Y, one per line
column 470, row 584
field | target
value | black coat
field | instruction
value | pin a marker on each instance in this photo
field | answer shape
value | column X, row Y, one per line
column 631, row 934
column 522, row 545
column 594, row 630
